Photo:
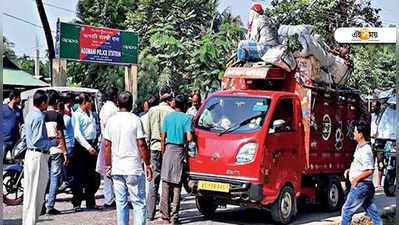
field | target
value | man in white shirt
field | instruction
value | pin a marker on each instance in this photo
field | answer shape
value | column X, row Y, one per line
column 107, row 111
column 125, row 144
column 360, row 175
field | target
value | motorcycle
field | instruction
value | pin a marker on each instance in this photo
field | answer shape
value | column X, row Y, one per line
column 13, row 176
column 390, row 165
column 13, row 190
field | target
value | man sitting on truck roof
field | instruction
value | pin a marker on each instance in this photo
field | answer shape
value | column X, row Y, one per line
column 360, row 175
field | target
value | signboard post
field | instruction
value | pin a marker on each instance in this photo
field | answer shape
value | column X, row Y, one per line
column 83, row 43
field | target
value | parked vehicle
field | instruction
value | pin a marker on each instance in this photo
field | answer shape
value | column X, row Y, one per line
column 268, row 140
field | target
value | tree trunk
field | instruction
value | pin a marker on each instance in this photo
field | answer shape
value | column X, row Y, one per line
column 47, row 33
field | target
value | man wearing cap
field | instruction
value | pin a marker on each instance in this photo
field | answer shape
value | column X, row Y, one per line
column 153, row 127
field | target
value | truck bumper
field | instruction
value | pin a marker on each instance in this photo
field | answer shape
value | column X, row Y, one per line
column 240, row 190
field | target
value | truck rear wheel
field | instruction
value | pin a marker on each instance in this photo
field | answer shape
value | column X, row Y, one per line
column 332, row 194
column 206, row 206
column 285, row 206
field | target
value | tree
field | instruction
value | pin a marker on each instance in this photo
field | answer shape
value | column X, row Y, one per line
column 375, row 67
column 47, row 33
column 8, row 47
column 325, row 15
column 190, row 51
column 27, row 64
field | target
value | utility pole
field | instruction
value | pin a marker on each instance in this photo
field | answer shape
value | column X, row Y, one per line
column 37, row 61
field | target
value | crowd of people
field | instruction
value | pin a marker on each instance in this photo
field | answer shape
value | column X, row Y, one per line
column 70, row 145
column 135, row 154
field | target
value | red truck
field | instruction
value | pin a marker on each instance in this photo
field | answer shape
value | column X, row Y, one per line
column 270, row 139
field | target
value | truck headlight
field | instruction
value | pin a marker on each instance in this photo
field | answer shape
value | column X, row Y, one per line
column 247, row 153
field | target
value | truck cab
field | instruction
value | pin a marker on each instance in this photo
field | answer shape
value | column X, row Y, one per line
column 269, row 138
column 249, row 147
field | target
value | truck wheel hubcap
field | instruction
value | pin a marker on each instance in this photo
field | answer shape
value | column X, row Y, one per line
column 333, row 194
column 286, row 205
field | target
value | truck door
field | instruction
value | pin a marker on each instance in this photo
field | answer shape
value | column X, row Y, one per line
column 283, row 144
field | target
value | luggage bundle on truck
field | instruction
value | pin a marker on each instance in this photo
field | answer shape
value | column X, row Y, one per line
column 271, row 138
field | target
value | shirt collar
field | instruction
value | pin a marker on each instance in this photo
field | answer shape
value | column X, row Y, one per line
column 362, row 145
column 36, row 109
column 164, row 104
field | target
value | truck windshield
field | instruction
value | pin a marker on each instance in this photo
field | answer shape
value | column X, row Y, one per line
column 224, row 112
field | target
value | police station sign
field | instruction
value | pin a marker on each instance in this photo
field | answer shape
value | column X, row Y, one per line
column 96, row 44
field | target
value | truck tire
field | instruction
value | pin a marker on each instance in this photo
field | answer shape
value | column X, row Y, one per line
column 206, row 206
column 284, row 208
column 389, row 183
column 332, row 195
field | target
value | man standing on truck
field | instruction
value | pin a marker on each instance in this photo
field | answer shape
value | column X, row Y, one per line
column 360, row 176
column 176, row 130
column 153, row 132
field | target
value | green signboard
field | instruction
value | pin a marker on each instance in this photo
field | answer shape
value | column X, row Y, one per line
column 96, row 44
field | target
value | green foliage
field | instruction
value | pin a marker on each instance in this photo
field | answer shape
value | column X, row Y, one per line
column 8, row 49
column 375, row 67
column 28, row 65
column 208, row 62
column 326, row 15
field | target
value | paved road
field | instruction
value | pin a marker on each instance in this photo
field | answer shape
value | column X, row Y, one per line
column 188, row 214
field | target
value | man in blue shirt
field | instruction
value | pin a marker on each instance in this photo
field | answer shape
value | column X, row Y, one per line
column 12, row 118
column 176, row 131
column 85, row 155
column 36, row 159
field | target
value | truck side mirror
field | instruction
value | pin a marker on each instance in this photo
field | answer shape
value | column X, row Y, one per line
column 277, row 125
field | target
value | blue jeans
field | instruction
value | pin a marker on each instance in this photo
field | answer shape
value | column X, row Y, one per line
column 109, row 195
column 7, row 146
column 132, row 186
column 56, row 166
column 361, row 195
column 66, row 173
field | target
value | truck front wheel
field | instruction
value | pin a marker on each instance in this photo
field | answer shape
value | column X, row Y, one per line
column 285, row 206
column 332, row 194
column 206, row 206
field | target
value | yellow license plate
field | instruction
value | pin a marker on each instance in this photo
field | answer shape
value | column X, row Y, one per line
column 213, row 186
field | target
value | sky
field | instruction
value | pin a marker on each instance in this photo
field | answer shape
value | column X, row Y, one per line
column 24, row 35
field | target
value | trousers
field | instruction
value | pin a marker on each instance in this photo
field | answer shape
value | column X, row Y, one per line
column 35, row 180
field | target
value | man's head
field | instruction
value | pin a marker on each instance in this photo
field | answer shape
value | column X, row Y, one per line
column 111, row 94
column 256, row 10
column 15, row 97
column 150, row 102
column 165, row 94
column 180, row 102
column 40, row 100
column 361, row 132
column 375, row 106
column 125, row 101
column 196, row 100
column 53, row 98
column 85, row 101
